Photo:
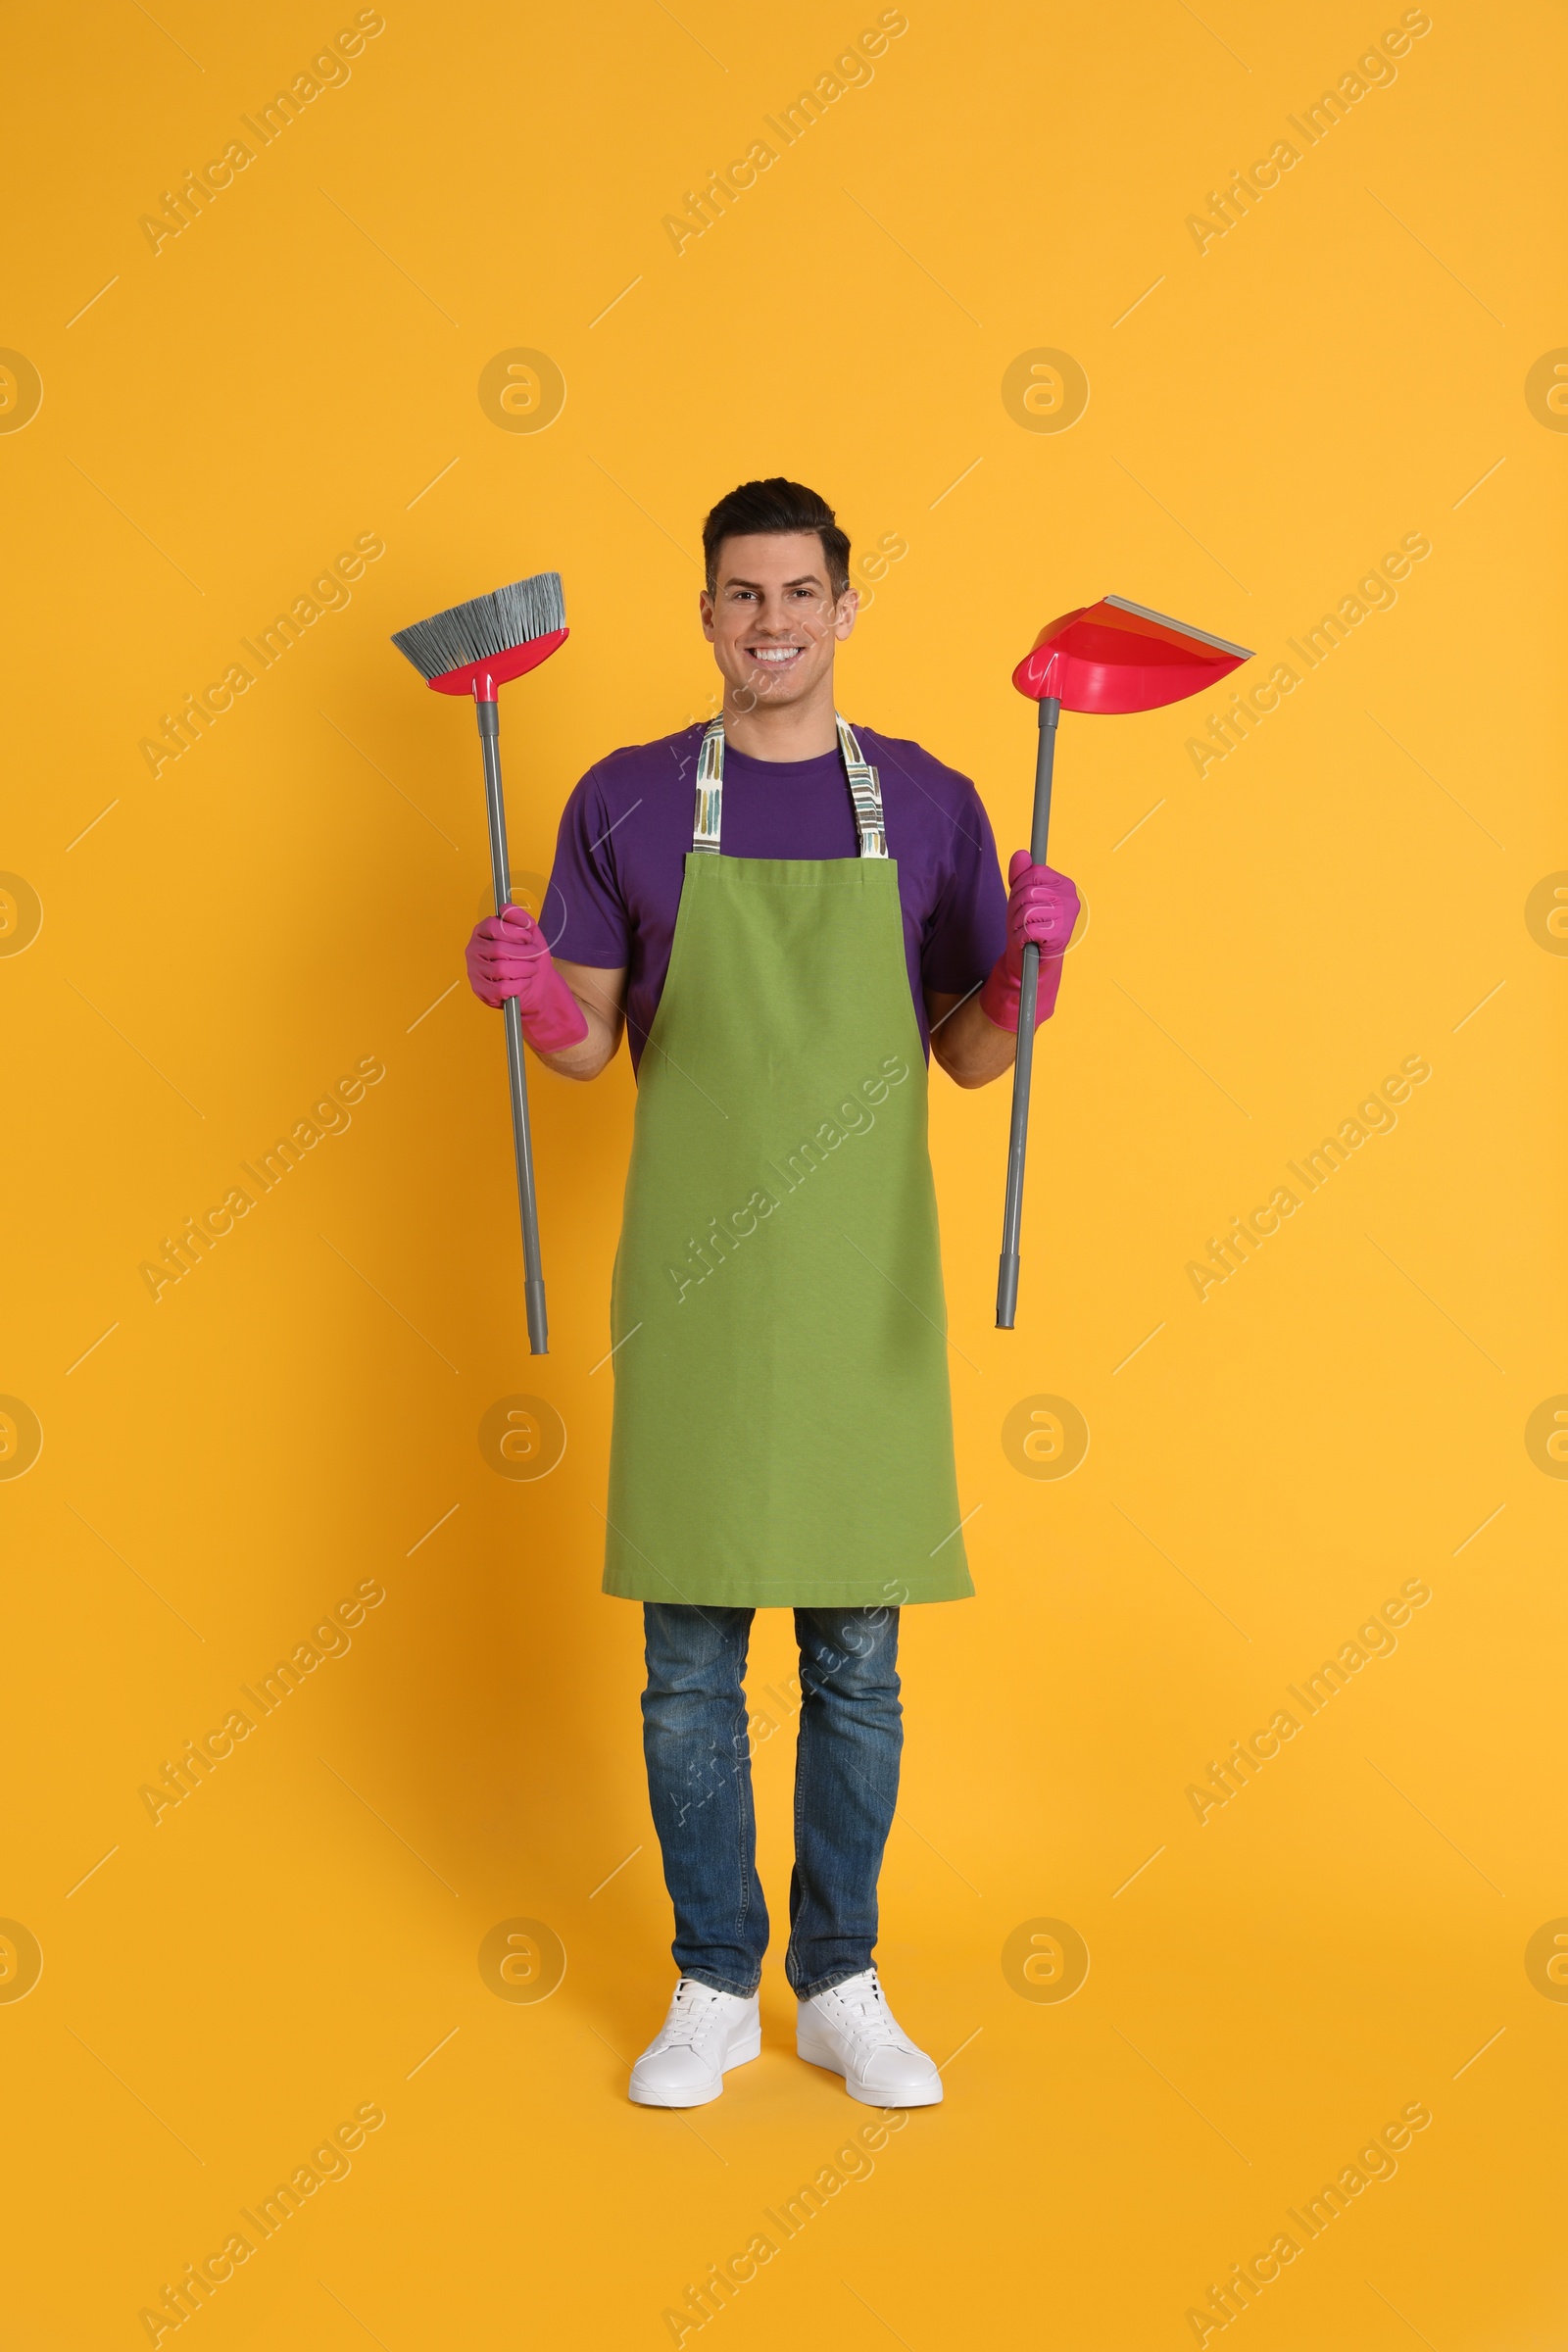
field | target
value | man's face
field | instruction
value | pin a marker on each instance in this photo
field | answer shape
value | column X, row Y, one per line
column 773, row 619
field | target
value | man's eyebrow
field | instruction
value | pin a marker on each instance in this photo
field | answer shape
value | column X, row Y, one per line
column 805, row 579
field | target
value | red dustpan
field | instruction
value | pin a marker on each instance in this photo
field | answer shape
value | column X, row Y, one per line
column 1117, row 656
column 1114, row 656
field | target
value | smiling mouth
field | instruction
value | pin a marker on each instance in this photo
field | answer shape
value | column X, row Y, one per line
column 774, row 657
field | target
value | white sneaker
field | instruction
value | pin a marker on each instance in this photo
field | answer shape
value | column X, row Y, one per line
column 704, row 2035
column 852, row 2031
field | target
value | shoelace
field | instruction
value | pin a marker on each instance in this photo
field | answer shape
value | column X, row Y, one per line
column 691, row 2016
column 872, row 2018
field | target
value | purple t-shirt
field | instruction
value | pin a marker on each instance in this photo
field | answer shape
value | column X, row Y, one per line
column 626, row 831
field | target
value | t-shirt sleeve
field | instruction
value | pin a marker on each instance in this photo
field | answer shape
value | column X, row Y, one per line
column 585, row 917
column 968, row 928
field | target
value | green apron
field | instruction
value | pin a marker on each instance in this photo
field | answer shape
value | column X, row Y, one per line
column 783, row 1430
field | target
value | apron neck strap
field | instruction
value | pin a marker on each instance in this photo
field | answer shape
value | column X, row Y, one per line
column 866, row 792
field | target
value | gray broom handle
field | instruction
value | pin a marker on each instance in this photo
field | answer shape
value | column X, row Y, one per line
column 533, row 1282
column 1023, row 1063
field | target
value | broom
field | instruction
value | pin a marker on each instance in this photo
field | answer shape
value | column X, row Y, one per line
column 472, row 649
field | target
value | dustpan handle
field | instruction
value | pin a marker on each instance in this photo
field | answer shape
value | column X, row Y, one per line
column 1023, row 1064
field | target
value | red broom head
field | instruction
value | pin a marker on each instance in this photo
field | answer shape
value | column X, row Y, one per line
column 476, row 647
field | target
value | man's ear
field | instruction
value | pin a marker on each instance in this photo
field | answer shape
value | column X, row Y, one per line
column 705, row 606
column 848, row 605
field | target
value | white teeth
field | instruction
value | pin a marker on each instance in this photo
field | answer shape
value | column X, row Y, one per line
column 780, row 653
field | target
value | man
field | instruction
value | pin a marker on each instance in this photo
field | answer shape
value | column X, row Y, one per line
column 784, row 912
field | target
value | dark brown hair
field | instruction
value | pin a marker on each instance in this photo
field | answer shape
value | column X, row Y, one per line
column 776, row 506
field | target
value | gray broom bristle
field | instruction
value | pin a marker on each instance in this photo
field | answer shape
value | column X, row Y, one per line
column 485, row 625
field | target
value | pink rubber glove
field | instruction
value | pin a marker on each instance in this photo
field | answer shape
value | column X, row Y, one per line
column 1043, row 906
column 507, row 957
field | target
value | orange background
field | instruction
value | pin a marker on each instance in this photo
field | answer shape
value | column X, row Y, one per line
column 300, row 367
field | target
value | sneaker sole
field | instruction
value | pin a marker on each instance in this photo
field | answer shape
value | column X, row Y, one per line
column 817, row 2054
column 748, row 2047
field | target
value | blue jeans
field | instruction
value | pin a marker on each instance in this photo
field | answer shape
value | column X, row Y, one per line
column 695, row 1741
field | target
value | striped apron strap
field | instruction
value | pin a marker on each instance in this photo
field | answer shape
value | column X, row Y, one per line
column 709, row 789
column 866, row 792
